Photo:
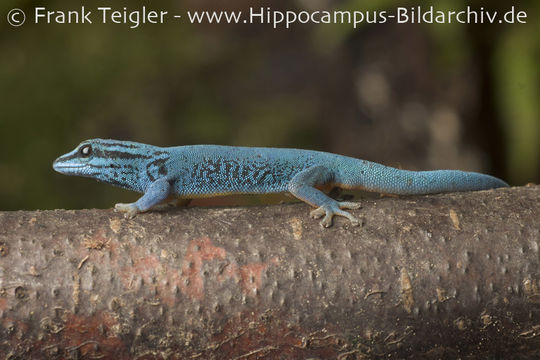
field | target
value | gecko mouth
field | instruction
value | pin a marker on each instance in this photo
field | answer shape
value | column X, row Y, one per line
column 62, row 167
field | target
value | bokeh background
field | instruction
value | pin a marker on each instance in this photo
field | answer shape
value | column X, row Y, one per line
column 415, row 96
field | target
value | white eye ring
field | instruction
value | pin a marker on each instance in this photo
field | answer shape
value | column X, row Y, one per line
column 86, row 150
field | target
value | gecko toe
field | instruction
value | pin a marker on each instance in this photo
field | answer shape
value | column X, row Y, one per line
column 129, row 210
column 327, row 221
column 354, row 221
column 317, row 213
column 323, row 211
column 349, row 205
column 330, row 210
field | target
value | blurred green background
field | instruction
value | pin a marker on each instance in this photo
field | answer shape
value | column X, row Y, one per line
column 416, row 96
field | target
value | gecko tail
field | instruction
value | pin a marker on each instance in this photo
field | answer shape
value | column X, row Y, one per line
column 362, row 174
column 406, row 182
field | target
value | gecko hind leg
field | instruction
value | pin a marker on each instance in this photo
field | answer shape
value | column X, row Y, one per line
column 302, row 185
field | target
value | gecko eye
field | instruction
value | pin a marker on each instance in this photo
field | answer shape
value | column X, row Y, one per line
column 85, row 151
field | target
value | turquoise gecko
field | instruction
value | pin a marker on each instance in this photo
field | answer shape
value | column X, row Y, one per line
column 211, row 170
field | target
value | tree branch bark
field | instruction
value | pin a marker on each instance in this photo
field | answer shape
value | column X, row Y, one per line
column 454, row 275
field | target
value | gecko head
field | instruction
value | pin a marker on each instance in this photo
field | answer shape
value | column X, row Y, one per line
column 80, row 161
column 111, row 161
column 97, row 158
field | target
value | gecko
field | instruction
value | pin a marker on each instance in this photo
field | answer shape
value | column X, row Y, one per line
column 194, row 171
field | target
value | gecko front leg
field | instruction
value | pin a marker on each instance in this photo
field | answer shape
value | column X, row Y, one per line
column 156, row 193
column 302, row 185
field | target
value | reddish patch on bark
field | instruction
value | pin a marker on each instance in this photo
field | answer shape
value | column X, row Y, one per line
column 78, row 329
column 15, row 328
column 144, row 265
column 152, row 270
column 191, row 281
column 85, row 337
column 251, row 276
column 3, row 304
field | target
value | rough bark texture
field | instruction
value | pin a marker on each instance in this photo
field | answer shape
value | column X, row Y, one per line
column 444, row 276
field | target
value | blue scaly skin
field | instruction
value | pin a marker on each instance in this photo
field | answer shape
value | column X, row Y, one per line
column 211, row 170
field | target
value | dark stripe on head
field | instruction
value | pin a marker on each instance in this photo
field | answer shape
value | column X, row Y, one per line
column 114, row 154
column 127, row 146
column 108, row 166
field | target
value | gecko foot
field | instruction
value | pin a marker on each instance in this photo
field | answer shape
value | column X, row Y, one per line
column 129, row 210
column 330, row 209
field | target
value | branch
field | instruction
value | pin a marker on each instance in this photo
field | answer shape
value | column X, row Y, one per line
column 454, row 275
